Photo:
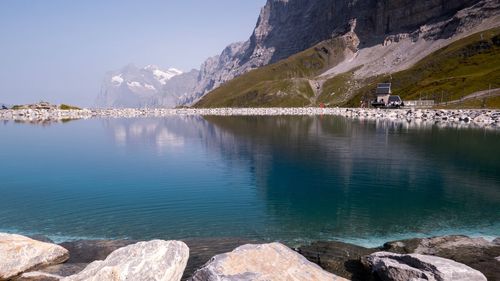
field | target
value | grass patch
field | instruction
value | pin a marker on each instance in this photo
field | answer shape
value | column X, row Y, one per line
column 68, row 107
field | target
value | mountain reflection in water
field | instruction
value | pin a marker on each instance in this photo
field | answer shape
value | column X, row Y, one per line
column 277, row 178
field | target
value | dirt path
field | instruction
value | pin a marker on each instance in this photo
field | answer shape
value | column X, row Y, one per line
column 317, row 87
column 476, row 95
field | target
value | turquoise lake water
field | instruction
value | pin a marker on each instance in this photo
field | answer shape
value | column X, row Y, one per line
column 292, row 179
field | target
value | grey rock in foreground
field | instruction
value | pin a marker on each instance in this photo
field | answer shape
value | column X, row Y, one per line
column 340, row 258
column 273, row 261
column 397, row 267
column 149, row 261
column 19, row 254
column 477, row 253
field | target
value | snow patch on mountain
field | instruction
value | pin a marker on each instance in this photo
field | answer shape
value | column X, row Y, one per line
column 163, row 75
column 134, row 84
column 118, row 80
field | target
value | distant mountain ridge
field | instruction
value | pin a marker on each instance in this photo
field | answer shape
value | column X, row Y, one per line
column 132, row 86
column 287, row 27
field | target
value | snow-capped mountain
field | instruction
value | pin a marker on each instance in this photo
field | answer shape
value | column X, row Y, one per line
column 163, row 75
column 132, row 86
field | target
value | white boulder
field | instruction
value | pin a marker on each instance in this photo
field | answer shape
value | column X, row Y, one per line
column 267, row 262
column 155, row 260
column 19, row 254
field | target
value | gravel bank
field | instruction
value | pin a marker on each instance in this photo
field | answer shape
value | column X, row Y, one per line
column 464, row 117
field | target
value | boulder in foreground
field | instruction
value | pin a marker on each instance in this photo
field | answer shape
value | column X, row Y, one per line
column 396, row 267
column 19, row 254
column 156, row 260
column 340, row 258
column 264, row 262
column 477, row 253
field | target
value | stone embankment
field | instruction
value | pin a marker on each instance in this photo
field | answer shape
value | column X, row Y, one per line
column 45, row 115
column 463, row 117
column 439, row 258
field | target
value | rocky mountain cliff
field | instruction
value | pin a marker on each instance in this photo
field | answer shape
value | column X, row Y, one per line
column 357, row 52
column 286, row 27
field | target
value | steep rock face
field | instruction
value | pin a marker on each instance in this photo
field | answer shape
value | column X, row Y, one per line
column 217, row 70
column 286, row 27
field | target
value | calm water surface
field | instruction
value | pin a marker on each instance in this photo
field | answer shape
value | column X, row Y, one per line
column 277, row 178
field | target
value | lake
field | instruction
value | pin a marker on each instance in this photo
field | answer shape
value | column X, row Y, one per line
column 288, row 178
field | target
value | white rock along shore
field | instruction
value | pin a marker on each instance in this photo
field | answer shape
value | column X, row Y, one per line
column 467, row 117
column 447, row 258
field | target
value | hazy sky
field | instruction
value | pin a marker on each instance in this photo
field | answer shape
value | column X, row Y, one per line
column 59, row 50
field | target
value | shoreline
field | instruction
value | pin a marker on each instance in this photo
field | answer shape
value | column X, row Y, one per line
column 484, row 118
column 339, row 258
column 373, row 242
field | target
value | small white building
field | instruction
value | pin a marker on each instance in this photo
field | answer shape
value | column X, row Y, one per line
column 383, row 93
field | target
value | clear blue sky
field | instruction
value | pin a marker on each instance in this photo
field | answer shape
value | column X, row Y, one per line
column 59, row 50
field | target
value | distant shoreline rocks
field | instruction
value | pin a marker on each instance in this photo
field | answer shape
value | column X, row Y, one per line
column 232, row 259
column 446, row 117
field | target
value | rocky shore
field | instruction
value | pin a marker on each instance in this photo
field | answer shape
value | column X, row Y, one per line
column 437, row 258
column 464, row 117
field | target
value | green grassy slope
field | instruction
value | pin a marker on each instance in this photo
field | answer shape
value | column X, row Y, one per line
column 466, row 66
column 489, row 102
column 284, row 83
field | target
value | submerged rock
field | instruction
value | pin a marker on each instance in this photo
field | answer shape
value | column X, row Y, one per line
column 148, row 261
column 397, row 267
column 477, row 253
column 87, row 251
column 19, row 254
column 262, row 262
column 339, row 258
